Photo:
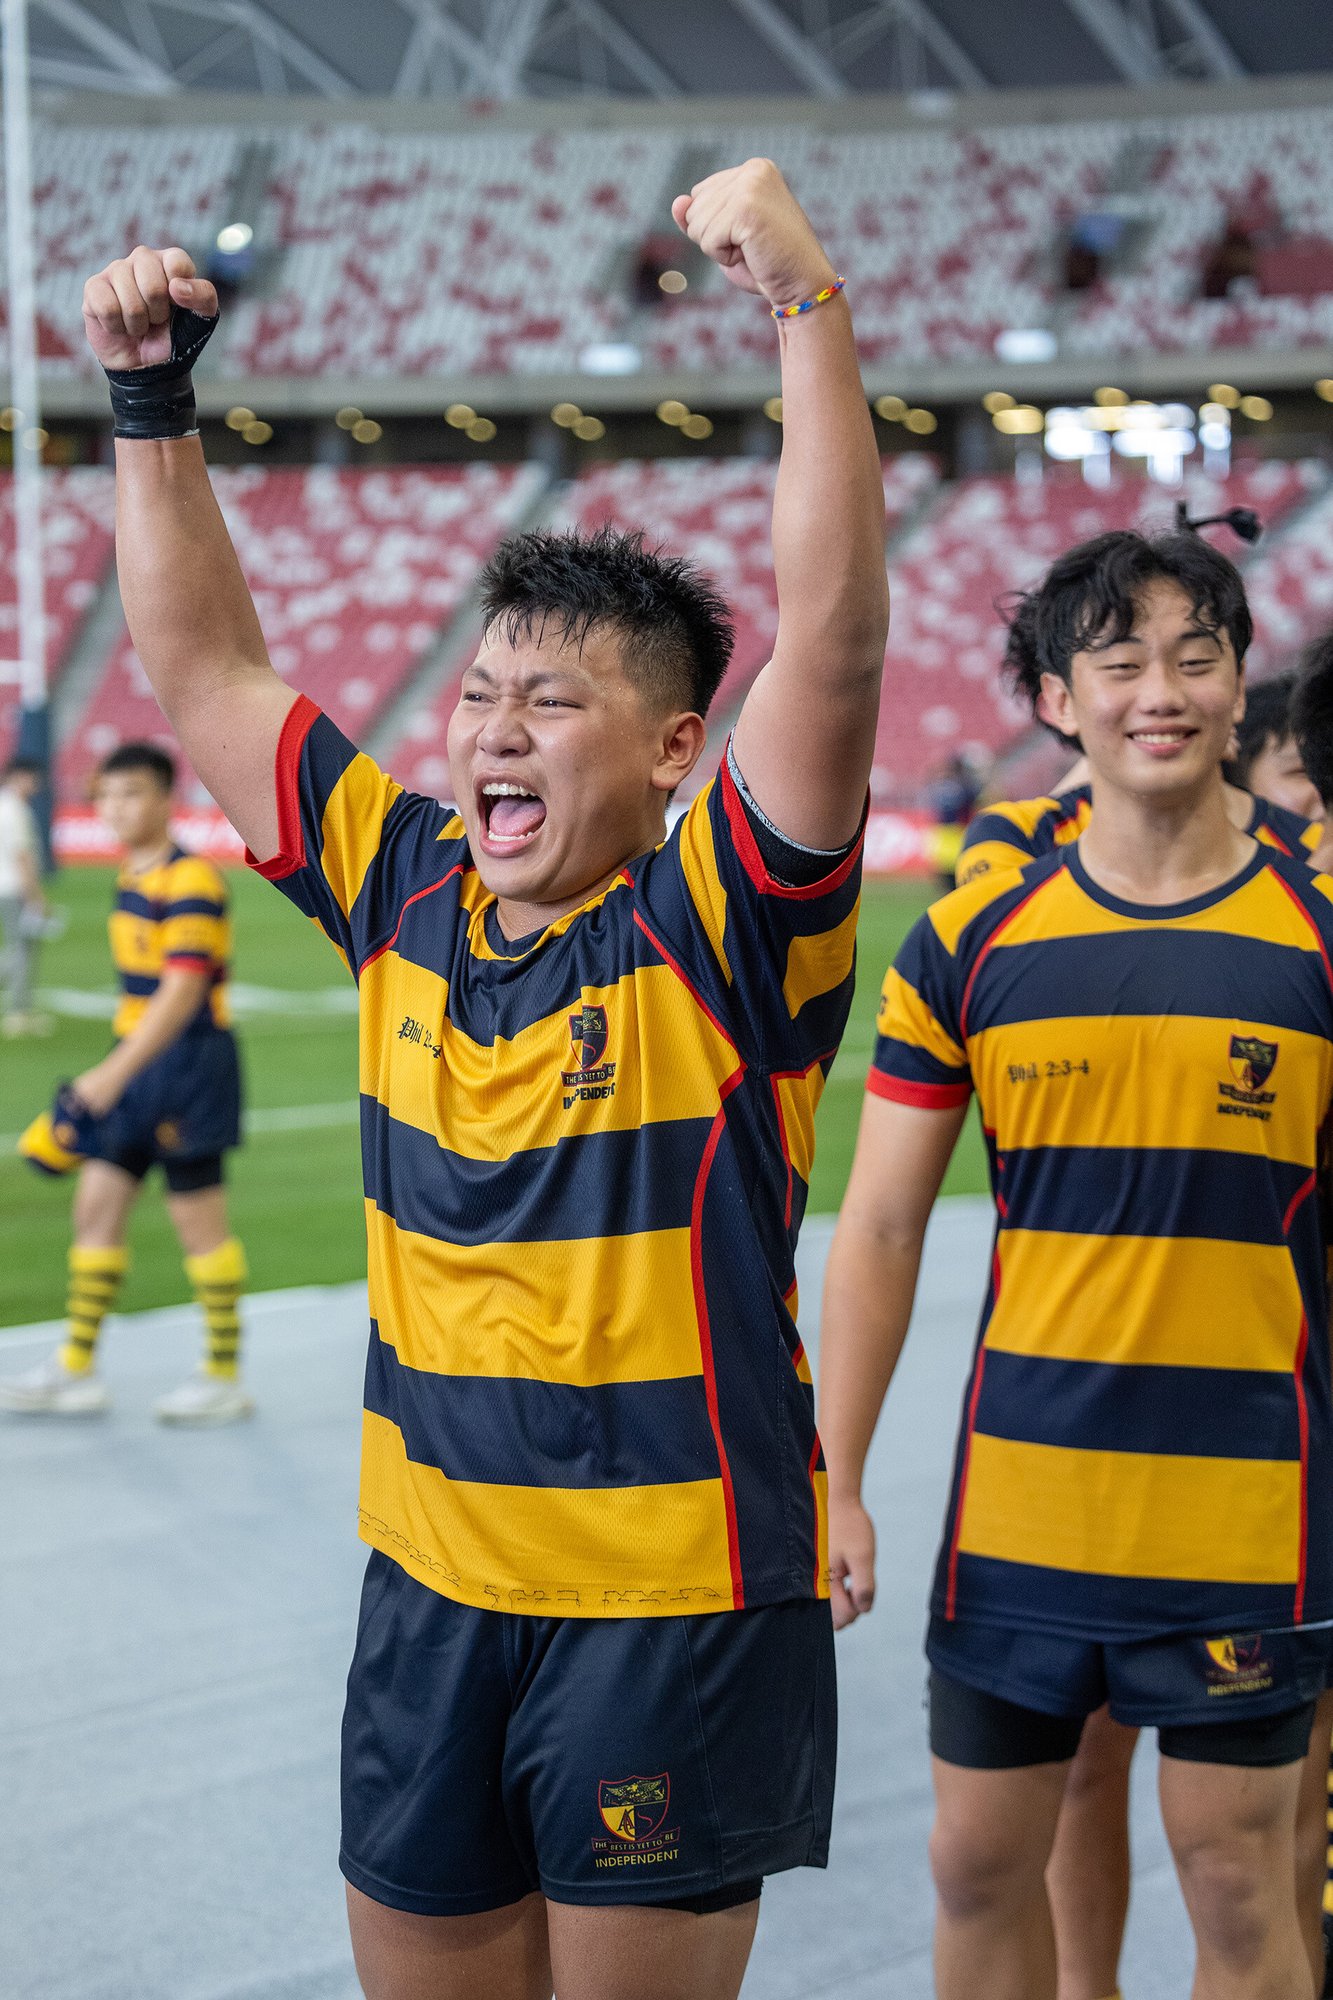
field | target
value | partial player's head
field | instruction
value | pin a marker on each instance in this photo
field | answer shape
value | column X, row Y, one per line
column 134, row 790
column 583, row 709
column 1267, row 759
column 23, row 775
column 1134, row 646
column 1311, row 717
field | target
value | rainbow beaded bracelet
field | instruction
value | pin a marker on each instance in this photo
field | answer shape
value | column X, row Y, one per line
column 808, row 305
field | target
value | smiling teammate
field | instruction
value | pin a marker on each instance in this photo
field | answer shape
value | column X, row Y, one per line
column 1137, row 1510
column 592, row 1698
column 1270, row 797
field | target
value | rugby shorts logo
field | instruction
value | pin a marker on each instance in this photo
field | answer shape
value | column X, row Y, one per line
column 633, row 1811
column 591, row 1078
column 1237, row 1665
column 1252, row 1062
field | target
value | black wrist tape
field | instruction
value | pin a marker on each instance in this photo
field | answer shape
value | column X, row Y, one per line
column 158, row 402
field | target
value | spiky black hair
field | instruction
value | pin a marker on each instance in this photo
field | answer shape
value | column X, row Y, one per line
column 675, row 630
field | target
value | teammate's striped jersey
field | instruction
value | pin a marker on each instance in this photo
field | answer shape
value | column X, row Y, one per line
column 173, row 915
column 1145, row 1443
column 586, row 1155
column 1015, row 832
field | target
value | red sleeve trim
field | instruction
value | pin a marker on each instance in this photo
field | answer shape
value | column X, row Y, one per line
column 747, row 847
column 925, row 1096
column 189, row 961
column 301, row 717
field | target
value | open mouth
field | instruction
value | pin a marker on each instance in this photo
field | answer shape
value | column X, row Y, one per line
column 510, row 814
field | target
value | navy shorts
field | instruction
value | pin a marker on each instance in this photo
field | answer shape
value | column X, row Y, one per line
column 180, row 1113
column 487, row 1754
column 1217, row 1699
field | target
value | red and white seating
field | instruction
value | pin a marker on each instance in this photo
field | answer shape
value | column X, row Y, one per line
column 945, row 238
column 97, row 191
column 717, row 512
column 503, row 252
column 353, row 575
column 422, row 253
column 1270, row 170
column 985, row 538
column 78, row 528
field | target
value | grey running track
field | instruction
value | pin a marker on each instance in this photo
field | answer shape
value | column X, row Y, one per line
column 176, row 1616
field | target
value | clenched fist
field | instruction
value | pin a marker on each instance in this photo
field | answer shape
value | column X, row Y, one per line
column 750, row 223
column 127, row 307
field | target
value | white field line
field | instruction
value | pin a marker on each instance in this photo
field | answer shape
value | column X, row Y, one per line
column 269, row 1118
column 78, row 1003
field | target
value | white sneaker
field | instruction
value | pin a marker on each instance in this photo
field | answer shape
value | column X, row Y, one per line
column 50, row 1389
column 204, row 1399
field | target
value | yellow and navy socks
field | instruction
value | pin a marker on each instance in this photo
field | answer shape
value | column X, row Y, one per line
column 218, row 1277
column 94, row 1279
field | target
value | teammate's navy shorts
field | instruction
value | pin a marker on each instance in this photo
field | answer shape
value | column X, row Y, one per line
column 1002, row 1697
column 180, row 1113
column 487, row 1754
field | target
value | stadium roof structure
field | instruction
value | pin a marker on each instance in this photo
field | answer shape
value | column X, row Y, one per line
column 504, row 50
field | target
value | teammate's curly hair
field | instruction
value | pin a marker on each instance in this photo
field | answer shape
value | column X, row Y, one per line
column 1090, row 596
column 1311, row 716
column 675, row 630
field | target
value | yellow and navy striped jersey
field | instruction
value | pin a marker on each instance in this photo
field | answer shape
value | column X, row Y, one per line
column 173, row 915
column 586, row 1156
column 1015, row 832
column 1148, row 1411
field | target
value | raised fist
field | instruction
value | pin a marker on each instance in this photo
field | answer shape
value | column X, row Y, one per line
column 127, row 307
column 750, row 223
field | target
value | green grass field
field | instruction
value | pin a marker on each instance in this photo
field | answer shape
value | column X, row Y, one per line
column 295, row 1189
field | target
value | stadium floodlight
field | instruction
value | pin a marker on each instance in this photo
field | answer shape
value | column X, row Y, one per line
column 1020, row 344
column 610, row 357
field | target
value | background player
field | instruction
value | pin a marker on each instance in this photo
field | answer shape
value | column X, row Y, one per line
column 1133, row 1226
column 1267, row 759
column 167, row 1094
column 644, row 1355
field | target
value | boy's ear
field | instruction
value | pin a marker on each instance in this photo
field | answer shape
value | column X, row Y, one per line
column 1056, row 704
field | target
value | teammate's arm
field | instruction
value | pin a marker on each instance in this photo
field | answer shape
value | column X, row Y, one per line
column 902, row 1152
column 179, row 996
column 186, row 602
column 805, row 738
